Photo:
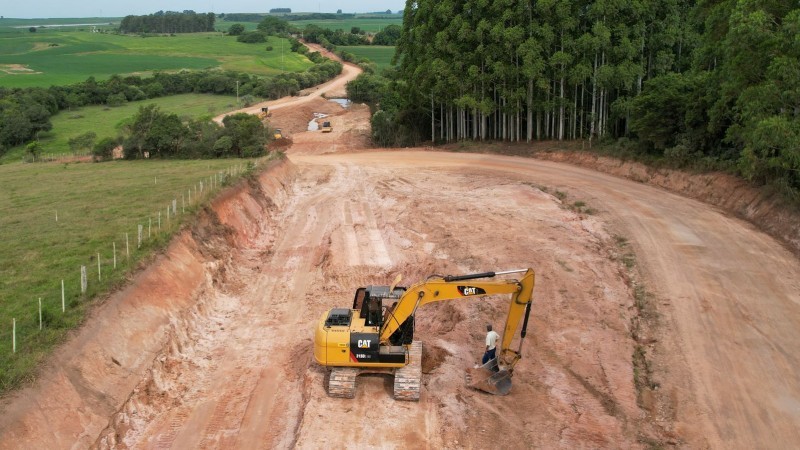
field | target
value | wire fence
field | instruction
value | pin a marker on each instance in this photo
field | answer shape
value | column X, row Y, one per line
column 70, row 292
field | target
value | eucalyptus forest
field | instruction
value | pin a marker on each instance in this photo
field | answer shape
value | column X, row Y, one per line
column 715, row 82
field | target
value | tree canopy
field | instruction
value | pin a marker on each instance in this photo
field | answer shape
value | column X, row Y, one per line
column 168, row 22
column 711, row 79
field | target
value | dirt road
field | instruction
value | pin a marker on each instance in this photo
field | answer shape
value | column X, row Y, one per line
column 334, row 88
column 726, row 295
column 729, row 297
column 211, row 346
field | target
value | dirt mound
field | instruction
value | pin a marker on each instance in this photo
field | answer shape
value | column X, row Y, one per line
column 432, row 357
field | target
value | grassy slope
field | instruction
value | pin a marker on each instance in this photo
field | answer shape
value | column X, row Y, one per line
column 379, row 54
column 104, row 121
column 96, row 204
column 65, row 57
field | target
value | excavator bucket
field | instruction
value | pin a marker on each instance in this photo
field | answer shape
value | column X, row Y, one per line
column 489, row 378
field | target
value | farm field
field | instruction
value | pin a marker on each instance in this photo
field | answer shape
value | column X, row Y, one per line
column 95, row 206
column 48, row 58
column 105, row 121
column 381, row 55
column 12, row 25
column 372, row 25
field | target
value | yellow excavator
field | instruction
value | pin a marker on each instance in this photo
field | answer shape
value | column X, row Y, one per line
column 376, row 335
column 265, row 113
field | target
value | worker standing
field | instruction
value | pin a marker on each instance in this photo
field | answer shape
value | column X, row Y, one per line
column 491, row 344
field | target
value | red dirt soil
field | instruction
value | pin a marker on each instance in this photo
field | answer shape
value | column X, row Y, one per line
column 658, row 320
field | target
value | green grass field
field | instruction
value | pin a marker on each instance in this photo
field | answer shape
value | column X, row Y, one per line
column 105, row 121
column 372, row 25
column 12, row 25
column 50, row 57
column 381, row 55
column 96, row 205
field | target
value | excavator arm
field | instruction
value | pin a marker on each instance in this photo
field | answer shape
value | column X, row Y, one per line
column 457, row 287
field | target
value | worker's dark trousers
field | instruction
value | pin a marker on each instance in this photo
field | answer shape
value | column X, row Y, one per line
column 488, row 356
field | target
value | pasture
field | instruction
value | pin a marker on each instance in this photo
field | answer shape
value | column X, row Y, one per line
column 58, row 217
column 368, row 24
column 12, row 25
column 381, row 55
column 106, row 121
column 50, row 57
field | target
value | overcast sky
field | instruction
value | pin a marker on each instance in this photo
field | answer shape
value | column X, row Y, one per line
column 36, row 9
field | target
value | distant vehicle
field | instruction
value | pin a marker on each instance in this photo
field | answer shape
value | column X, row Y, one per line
column 326, row 127
column 264, row 113
column 277, row 134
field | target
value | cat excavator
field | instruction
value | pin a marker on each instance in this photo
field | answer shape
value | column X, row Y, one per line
column 376, row 335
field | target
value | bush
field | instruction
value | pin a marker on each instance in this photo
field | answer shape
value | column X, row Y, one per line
column 116, row 99
column 236, row 29
column 256, row 37
column 104, row 150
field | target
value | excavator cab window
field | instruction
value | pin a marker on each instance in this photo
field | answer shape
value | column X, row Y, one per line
column 373, row 315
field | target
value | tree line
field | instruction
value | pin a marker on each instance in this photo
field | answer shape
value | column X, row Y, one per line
column 152, row 133
column 168, row 22
column 711, row 82
column 329, row 39
column 26, row 112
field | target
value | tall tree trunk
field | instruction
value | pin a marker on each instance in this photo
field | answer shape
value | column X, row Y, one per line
column 583, row 110
column 538, row 125
column 529, row 130
column 561, row 111
column 574, row 124
column 593, row 115
column 547, row 114
column 433, row 128
column 441, row 122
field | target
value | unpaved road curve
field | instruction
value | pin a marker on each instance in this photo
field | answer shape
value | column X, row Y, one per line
column 728, row 294
column 332, row 89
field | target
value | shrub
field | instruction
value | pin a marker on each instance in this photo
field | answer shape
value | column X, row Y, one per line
column 255, row 37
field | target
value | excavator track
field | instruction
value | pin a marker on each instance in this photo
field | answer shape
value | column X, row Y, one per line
column 407, row 379
column 342, row 382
